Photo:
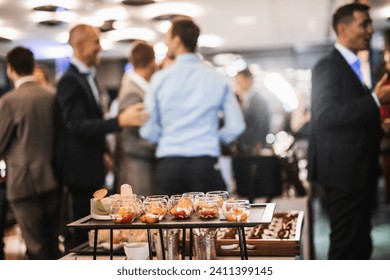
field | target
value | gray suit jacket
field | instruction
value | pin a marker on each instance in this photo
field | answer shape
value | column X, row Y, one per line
column 26, row 140
column 129, row 141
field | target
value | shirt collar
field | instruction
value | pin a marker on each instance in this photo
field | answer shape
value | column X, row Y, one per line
column 349, row 56
column 187, row 57
column 83, row 69
column 23, row 80
column 139, row 81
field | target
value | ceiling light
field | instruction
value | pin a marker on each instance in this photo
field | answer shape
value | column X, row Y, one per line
column 172, row 8
column 167, row 17
column 282, row 89
column 9, row 33
column 163, row 26
column 4, row 40
column 225, row 58
column 107, row 26
column 210, row 41
column 67, row 4
column 160, row 51
column 120, row 24
column 106, row 44
column 384, row 12
column 137, row 2
column 51, row 22
column 66, row 16
column 50, row 8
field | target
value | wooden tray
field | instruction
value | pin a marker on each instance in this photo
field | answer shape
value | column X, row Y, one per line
column 267, row 247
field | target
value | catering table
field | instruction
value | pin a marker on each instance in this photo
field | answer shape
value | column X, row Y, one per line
column 260, row 213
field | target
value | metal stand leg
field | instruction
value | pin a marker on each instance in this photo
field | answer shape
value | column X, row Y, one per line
column 150, row 244
column 191, row 242
column 95, row 244
column 183, row 245
column 111, row 243
column 242, row 241
column 160, row 231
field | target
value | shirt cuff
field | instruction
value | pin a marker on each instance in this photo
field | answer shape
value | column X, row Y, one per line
column 375, row 99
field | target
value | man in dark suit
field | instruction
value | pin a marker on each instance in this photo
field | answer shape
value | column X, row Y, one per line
column 26, row 143
column 82, row 128
column 345, row 134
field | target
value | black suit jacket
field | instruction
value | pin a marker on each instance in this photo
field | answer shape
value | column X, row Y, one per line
column 81, row 133
column 345, row 127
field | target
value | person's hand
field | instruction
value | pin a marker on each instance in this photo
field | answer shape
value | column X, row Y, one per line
column 133, row 115
column 383, row 91
column 386, row 125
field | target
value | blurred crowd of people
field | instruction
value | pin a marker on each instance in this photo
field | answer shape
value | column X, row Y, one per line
column 166, row 130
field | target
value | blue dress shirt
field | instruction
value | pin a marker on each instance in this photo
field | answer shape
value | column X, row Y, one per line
column 185, row 102
column 354, row 61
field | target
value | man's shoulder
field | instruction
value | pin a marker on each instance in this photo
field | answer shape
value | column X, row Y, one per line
column 71, row 74
column 331, row 57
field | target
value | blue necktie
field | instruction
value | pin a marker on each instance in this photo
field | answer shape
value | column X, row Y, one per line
column 358, row 71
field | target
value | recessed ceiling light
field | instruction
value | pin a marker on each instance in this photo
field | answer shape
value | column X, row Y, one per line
column 137, row 2
column 107, row 25
column 51, row 22
column 127, row 40
column 9, row 33
column 167, row 17
column 4, row 40
column 163, row 26
column 66, row 16
column 67, row 4
column 50, row 8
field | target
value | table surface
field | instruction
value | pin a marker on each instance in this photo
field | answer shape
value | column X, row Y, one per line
column 261, row 213
column 75, row 256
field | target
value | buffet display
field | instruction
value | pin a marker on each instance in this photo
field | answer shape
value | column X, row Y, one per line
column 127, row 207
column 232, row 226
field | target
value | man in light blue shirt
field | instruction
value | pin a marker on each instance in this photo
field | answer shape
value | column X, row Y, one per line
column 185, row 103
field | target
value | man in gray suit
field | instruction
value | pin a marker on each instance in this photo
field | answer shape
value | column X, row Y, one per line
column 26, row 143
column 135, row 156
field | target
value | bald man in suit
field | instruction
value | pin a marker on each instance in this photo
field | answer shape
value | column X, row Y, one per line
column 81, row 143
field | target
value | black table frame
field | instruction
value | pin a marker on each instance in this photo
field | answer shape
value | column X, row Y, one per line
column 261, row 213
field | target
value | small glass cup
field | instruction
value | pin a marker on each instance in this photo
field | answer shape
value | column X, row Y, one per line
column 180, row 207
column 193, row 194
column 207, row 207
column 154, row 210
column 223, row 196
column 236, row 210
column 157, row 196
column 126, row 210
